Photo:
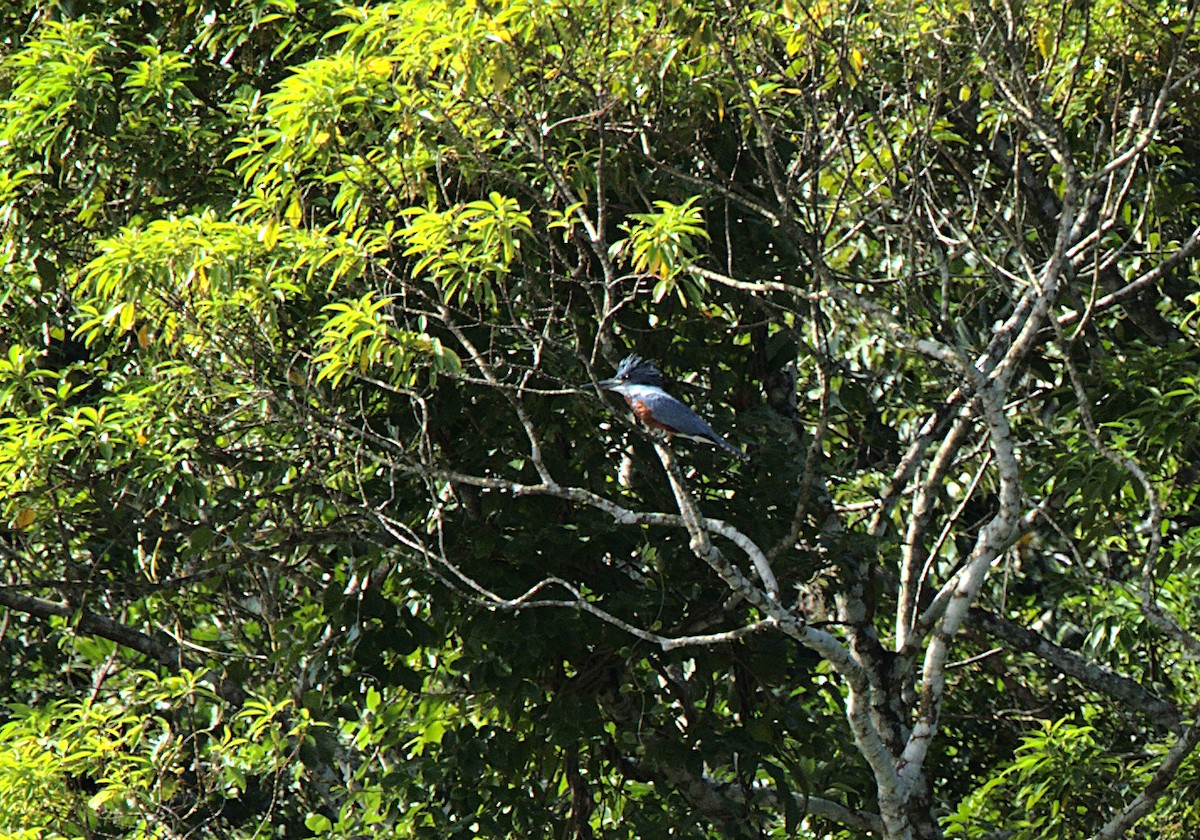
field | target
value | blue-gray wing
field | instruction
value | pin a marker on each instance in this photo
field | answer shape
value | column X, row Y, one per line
column 670, row 412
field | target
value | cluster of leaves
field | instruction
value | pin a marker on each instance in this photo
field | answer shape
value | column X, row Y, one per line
column 162, row 750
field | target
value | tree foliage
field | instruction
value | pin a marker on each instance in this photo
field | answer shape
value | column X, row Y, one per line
column 317, row 523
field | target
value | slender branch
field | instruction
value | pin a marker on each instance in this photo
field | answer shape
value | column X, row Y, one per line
column 1157, row 786
column 932, row 427
column 858, row 709
column 1160, row 269
column 929, row 347
column 620, row 514
column 918, row 518
column 514, row 399
column 1150, row 527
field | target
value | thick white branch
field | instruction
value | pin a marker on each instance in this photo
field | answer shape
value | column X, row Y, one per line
column 994, row 538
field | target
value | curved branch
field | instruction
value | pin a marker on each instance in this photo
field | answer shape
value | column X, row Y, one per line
column 723, row 801
column 827, row 809
column 532, row 598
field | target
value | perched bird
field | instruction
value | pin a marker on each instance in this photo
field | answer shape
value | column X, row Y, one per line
column 640, row 383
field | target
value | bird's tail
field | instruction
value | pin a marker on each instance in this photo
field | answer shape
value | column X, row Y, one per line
column 730, row 448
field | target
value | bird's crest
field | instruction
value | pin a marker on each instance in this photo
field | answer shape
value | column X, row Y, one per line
column 637, row 370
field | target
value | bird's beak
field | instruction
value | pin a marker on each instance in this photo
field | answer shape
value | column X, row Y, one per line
column 607, row 384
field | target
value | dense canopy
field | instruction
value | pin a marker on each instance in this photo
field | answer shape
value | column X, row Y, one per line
column 317, row 523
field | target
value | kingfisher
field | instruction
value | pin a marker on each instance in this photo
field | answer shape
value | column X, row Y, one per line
column 640, row 383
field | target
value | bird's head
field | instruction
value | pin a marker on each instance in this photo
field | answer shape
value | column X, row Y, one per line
column 633, row 370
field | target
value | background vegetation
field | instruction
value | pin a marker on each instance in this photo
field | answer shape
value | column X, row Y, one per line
column 316, row 523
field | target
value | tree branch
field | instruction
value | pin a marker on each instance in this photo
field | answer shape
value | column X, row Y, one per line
column 1096, row 677
column 1157, row 786
column 156, row 646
